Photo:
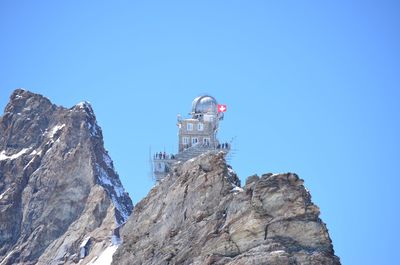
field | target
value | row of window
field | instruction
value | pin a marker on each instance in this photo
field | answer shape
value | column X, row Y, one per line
column 195, row 140
column 200, row 126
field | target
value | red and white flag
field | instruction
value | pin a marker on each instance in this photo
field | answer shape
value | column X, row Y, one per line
column 221, row 107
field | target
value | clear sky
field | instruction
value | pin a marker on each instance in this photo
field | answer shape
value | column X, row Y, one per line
column 311, row 87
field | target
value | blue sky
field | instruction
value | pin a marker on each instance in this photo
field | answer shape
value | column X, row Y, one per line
column 311, row 87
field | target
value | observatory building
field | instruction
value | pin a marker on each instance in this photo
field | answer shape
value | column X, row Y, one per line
column 197, row 135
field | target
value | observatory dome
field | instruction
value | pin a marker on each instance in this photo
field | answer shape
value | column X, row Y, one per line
column 204, row 104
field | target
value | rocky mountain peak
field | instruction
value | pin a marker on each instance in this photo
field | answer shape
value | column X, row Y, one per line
column 62, row 202
column 87, row 109
column 58, row 185
column 199, row 214
column 23, row 100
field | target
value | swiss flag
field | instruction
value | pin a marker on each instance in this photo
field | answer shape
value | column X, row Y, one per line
column 221, row 107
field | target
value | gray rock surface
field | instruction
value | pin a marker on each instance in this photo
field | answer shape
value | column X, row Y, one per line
column 58, row 185
column 198, row 215
column 59, row 191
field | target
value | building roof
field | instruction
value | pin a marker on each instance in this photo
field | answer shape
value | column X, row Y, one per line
column 204, row 104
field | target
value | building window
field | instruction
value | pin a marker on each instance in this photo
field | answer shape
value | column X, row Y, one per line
column 194, row 140
column 189, row 126
column 185, row 140
column 206, row 141
column 200, row 126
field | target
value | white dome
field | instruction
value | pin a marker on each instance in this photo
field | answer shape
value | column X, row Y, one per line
column 204, row 104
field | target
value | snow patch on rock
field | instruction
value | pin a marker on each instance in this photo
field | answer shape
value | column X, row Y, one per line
column 119, row 191
column 277, row 252
column 4, row 193
column 84, row 242
column 5, row 260
column 86, row 106
column 3, row 155
column 231, row 171
column 56, row 129
column 103, row 176
column 35, row 152
column 105, row 257
column 232, row 178
column 237, row 189
column 108, row 161
column 93, row 128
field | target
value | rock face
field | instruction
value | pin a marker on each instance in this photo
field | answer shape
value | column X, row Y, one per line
column 199, row 215
column 60, row 200
column 60, row 196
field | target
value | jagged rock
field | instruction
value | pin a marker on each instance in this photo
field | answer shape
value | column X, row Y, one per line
column 199, row 215
column 60, row 198
column 58, row 185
